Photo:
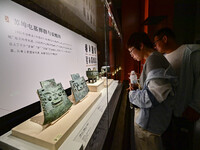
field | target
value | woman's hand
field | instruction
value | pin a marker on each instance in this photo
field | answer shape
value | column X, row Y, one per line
column 133, row 86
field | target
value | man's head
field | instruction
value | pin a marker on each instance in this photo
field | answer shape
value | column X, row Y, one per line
column 137, row 44
column 164, row 40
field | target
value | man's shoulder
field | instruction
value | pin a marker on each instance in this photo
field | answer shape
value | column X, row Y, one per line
column 192, row 47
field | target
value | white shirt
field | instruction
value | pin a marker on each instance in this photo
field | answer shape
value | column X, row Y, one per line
column 175, row 58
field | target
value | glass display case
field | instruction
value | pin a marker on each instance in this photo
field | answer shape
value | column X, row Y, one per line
column 61, row 72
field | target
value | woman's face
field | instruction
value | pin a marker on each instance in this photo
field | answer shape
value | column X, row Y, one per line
column 135, row 53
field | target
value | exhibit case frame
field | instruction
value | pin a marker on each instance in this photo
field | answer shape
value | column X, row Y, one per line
column 48, row 47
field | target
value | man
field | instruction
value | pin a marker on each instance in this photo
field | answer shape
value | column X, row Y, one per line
column 185, row 59
column 154, row 100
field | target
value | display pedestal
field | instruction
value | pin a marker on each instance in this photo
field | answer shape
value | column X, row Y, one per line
column 55, row 134
column 97, row 86
column 107, row 83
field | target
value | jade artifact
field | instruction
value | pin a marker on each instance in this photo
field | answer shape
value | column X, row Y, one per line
column 79, row 88
column 54, row 101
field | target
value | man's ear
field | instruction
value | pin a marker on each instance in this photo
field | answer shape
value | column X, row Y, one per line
column 165, row 39
column 141, row 46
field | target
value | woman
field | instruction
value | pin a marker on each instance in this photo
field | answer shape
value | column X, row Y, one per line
column 155, row 99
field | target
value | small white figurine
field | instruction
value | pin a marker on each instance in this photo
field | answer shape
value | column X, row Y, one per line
column 133, row 77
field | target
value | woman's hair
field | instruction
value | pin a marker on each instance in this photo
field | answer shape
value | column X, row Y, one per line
column 137, row 38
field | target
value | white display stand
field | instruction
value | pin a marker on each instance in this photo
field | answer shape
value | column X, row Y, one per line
column 107, row 82
column 53, row 135
column 97, row 86
column 80, row 134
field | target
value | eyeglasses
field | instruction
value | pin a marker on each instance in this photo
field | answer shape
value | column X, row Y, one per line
column 131, row 49
column 154, row 43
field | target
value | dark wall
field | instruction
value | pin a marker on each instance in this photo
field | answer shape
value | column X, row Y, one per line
column 181, row 15
column 186, row 20
column 132, row 15
column 161, row 14
column 197, row 24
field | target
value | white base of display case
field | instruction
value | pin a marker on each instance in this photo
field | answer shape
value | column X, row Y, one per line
column 107, row 82
column 97, row 86
column 54, row 135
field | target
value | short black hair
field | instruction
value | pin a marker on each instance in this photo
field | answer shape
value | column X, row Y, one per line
column 165, row 31
column 137, row 38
